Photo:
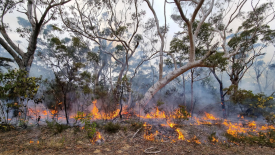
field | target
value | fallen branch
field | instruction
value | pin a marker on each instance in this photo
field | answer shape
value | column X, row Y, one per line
column 136, row 133
column 146, row 151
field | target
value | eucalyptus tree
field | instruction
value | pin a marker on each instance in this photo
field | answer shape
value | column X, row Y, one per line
column 262, row 74
column 201, row 11
column 179, row 49
column 253, row 30
column 4, row 62
column 65, row 57
column 110, row 21
column 38, row 13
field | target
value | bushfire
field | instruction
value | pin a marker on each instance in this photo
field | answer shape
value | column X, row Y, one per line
column 166, row 120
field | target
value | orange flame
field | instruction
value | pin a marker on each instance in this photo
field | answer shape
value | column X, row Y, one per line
column 97, row 137
column 209, row 117
column 45, row 112
column 181, row 137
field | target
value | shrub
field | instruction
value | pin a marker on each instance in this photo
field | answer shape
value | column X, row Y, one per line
column 6, row 127
column 263, row 139
column 111, row 127
column 213, row 138
column 89, row 126
column 56, row 127
column 136, row 125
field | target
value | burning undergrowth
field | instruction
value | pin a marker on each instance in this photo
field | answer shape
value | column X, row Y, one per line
column 161, row 126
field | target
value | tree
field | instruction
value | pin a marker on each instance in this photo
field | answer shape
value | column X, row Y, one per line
column 100, row 21
column 4, row 62
column 65, row 57
column 262, row 76
column 14, row 85
column 254, row 29
column 203, row 9
column 39, row 13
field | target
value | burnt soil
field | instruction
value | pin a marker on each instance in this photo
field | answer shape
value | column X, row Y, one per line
column 42, row 140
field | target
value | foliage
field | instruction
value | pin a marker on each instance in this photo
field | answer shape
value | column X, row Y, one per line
column 86, row 120
column 263, row 139
column 255, row 103
column 6, row 127
column 15, row 84
column 4, row 62
column 56, row 127
column 217, row 60
column 213, row 138
column 160, row 102
column 270, row 118
column 136, row 125
column 112, row 127
column 182, row 114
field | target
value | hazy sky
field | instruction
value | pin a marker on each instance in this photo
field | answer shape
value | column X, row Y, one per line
column 159, row 7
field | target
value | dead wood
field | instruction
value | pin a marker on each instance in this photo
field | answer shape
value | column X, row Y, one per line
column 146, row 151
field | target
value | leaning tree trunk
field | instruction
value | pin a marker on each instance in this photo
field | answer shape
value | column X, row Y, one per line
column 169, row 77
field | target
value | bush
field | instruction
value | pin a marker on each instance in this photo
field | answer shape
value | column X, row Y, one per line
column 86, row 120
column 56, row 127
column 111, row 127
column 6, row 127
column 263, row 139
column 213, row 138
column 136, row 125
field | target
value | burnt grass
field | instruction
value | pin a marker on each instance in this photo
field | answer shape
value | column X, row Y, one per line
column 74, row 140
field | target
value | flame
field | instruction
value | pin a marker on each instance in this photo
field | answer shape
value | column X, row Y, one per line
column 99, row 135
column 236, row 128
column 171, row 124
column 181, row 137
column 195, row 140
column 267, row 127
column 156, row 114
column 45, row 112
column 37, row 142
column 209, row 117
column 31, row 141
column 252, row 125
column 53, row 112
column 147, row 136
column 214, row 140
column 96, row 138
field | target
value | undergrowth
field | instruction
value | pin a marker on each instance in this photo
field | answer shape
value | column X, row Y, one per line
column 89, row 126
column 6, row 127
column 262, row 139
column 111, row 127
column 56, row 127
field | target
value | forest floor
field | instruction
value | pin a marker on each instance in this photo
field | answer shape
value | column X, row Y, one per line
column 42, row 140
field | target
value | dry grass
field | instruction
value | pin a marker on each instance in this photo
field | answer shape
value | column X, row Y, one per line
column 72, row 141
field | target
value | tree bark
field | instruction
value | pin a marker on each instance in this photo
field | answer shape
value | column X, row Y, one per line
column 184, row 96
column 192, row 91
column 221, row 92
column 169, row 77
column 65, row 106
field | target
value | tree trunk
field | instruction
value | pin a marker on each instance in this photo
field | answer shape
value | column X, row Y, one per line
column 170, row 76
column 221, row 92
column 65, row 106
column 184, row 96
column 259, row 84
column 192, row 95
